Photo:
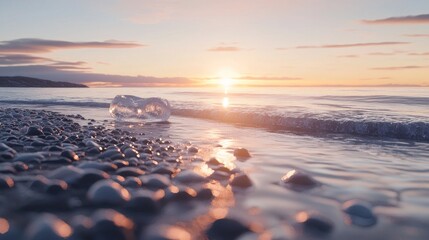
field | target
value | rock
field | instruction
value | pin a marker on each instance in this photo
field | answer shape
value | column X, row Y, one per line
column 241, row 153
column 314, row 224
column 89, row 177
column 112, row 154
column 226, row 229
column 29, row 158
column 130, row 172
column 108, row 192
column 70, row 155
column 193, row 150
column 130, row 152
column 34, row 131
column 69, row 174
column 299, row 181
column 359, row 213
column 144, row 201
column 174, row 193
column 103, row 166
column 132, row 182
column 48, row 226
column 111, row 225
column 165, row 232
column 155, row 181
column 7, row 168
column 6, row 182
column 205, row 194
column 241, row 180
column 214, row 161
column 8, row 231
column 81, row 227
column 121, row 163
column 163, row 169
column 189, row 176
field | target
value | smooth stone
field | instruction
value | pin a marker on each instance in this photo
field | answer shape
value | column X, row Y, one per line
column 70, row 155
column 214, row 161
column 220, row 175
column 112, row 154
column 111, row 225
column 7, row 168
column 314, row 224
column 132, row 182
column 189, row 176
column 69, row 174
column 226, row 229
column 108, row 192
column 181, row 193
column 48, row 226
column 130, row 172
column 144, row 201
column 34, row 131
column 155, row 181
column 6, row 156
column 20, row 166
column 359, row 213
column 163, row 169
column 193, row 150
column 6, row 182
column 241, row 153
column 241, row 180
column 165, row 232
column 205, row 194
column 130, row 152
column 299, row 180
column 81, row 227
column 121, row 163
column 6, row 148
column 8, row 231
column 29, row 157
column 89, row 177
column 103, row 166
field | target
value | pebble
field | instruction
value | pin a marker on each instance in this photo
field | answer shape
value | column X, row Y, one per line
column 359, row 213
column 103, row 166
column 241, row 153
column 29, row 158
column 130, row 172
column 193, row 150
column 6, row 182
column 111, row 225
column 129, row 153
column 241, row 180
column 143, row 200
column 155, row 181
column 108, row 192
column 299, row 180
column 48, row 226
column 132, row 182
column 166, row 232
column 34, row 131
column 189, row 176
column 112, row 154
column 226, row 229
column 70, row 155
column 314, row 224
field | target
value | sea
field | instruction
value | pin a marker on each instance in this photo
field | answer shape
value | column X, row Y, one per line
column 369, row 144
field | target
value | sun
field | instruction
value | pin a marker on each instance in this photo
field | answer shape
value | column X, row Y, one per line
column 226, row 82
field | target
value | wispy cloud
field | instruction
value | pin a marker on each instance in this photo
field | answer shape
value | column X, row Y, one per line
column 413, row 19
column 416, row 35
column 382, row 53
column 348, row 56
column 224, row 49
column 14, row 59
column 35, row 45
column 269, row 78
column 349, row 45
column 398, row 68
column 419, row 54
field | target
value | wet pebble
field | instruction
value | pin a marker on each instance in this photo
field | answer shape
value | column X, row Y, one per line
column 103, row 166
column 226, row 229
column 241, row 153
column 165, row 232
column 359, row 213
column 189, row 176
column 6, row 182
column 299, row 180
column 29, row 158
column 48, row 226
column 107, row 192
column 132, row 182
column 69, row 154
column 314, row 224
column 193, row 150
column 112, row 154
column 130, row 172
column 130, row 152
column 111, row 225
column 155, row 181
column 145, row 201
column 241, row 180
column 34, row 131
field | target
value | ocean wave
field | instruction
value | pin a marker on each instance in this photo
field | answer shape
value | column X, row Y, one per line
column 304, row 123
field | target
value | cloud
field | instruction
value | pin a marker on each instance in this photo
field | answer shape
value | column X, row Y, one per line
column 415, row 19
column 382, row 53
column 398, row 68
column 348, row 56
column 416, row 35
column 370, row 44
column 224, row 49
column 261, row 78
column 13, row 59
column 35, row 45
column 419, row 54
column 63, row 73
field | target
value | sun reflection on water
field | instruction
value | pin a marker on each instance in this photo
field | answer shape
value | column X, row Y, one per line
column 225, row 102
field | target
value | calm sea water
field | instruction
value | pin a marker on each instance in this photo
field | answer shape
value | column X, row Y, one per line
column 366, row 143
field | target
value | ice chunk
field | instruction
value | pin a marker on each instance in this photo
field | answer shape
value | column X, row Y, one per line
column 131, row 107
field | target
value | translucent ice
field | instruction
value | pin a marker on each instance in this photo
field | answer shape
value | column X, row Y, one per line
column 128, row 107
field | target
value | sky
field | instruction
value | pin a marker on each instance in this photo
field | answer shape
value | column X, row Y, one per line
column 202, row 43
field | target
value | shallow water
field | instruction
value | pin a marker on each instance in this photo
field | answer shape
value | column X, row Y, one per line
column 389, row 173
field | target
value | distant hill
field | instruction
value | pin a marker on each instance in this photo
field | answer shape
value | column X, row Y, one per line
column 35, row 82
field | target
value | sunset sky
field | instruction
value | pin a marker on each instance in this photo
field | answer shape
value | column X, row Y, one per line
column 198, row 43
